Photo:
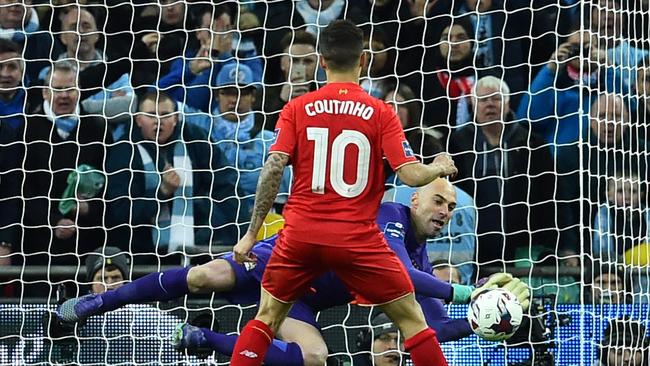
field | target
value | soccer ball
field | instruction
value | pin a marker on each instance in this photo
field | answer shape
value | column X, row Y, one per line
column 495, row 315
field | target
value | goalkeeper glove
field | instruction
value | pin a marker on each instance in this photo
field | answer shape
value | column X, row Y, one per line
column 464, row 294
column 521, row 291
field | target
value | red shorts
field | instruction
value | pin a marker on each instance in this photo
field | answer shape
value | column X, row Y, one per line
column 373, row 273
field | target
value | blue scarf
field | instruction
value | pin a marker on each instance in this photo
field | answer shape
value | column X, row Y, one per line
column 315, row 18
column 65, row 124
column 19, row 35
column 174, row 229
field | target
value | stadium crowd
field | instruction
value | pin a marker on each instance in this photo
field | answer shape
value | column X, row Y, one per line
column 144, row 125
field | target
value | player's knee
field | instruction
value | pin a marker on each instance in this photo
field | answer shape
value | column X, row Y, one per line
column 215, row 276
column 315, row 356
column 197, row 279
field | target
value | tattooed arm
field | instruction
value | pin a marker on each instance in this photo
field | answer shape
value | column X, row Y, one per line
column 268, row 186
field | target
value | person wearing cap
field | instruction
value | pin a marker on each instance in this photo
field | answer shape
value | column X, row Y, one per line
column 375, row 344
column 159, row 182
column 238, row 133
column 624, row 343
column 219, row 42
column 107, row 269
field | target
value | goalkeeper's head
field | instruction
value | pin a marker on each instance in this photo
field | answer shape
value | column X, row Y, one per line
column 341, row 49
column 431, row 208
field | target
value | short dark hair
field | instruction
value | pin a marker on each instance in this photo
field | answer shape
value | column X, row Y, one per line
column 297, row 37
column 7, row 46
column 157, row 96
column 341, row 45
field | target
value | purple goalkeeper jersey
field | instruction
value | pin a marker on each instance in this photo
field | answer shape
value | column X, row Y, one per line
column 327, row 291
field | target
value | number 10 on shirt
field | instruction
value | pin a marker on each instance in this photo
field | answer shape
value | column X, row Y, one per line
column 320, row 136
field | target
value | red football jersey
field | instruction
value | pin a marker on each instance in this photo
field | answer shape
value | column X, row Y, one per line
column 336, row 139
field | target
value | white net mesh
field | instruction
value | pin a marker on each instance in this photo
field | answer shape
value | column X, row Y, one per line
column 144, row 125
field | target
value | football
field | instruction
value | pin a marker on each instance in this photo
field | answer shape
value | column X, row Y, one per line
column 495, row 315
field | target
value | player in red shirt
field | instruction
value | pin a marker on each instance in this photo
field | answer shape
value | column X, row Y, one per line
column 336, row 139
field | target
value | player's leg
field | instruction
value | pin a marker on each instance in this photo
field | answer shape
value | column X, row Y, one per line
column 300, row 328
column 289, row 273
column 217, row 275
column 420, row 340
column 299, row 340
column 256, row 337
column 378, row 277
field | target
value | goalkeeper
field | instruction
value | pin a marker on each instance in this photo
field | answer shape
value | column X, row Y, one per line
column 406, row 230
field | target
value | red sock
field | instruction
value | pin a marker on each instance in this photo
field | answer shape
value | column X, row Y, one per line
column 425, row 349
column 252, row 344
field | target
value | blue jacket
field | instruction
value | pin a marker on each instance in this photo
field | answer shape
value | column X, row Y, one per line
column 194, row 90
column 12, row 111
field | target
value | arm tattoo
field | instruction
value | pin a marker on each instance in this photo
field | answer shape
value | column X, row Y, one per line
column 268, row 186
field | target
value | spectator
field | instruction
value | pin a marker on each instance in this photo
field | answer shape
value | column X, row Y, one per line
column 377, row 73
column 556, row 95
column 80, row 37
column 162, row 176
column 237, row 131
column 448, row 75
column 607, row 19
column 19, row 23
column 624, row 343
column 299, row 66
column 12, row 88
column 612, row 146
column 407, row 107
column 170, row 20
column 106, row 269
column 623, row 221
column 501, row 30
column 374, row 344
column 514, row 167
column 60, row 139
column 306, row 15
column 119, row 337
column 189, row 81
column 607, row 287
column 456, row 242
column 11, row 158
column 52, row 17
column 446, row 271
column 641, row 92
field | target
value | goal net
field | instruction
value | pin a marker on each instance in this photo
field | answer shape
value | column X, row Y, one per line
column 143, row 126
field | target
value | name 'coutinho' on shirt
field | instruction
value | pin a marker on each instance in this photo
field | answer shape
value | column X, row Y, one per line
column 348, row 107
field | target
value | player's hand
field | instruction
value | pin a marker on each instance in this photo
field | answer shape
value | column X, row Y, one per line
column 445, row 165
column 495, row 281
column 242, row 251
column 520, row 290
